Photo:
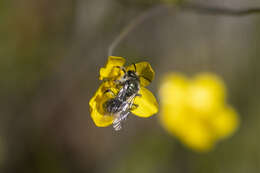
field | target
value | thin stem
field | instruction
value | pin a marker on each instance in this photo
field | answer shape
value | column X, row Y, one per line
column 133, row 24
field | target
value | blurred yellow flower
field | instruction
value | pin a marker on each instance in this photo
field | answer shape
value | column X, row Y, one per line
column 114, row 71
column 195, row 110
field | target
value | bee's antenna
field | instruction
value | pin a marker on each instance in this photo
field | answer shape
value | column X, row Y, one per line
column 121, row 68
column 134, row 66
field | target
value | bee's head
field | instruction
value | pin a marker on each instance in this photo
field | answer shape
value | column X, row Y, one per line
column 131, row 74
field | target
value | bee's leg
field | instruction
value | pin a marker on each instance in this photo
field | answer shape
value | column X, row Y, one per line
column 110, row 91
column 119, row 82
column 134, row 106
column 139, row 95
column 121, row 68
column 105, row 79
column 122, row 80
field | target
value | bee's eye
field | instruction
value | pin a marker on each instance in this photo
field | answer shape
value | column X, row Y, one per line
column 131, row 73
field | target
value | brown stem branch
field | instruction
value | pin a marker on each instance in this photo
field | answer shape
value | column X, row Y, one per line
column 199, row 8
column 193, row 7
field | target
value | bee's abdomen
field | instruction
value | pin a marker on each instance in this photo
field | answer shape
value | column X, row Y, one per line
column 113, row 105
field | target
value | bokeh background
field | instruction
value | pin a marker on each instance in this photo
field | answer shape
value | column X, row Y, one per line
column 50, row 55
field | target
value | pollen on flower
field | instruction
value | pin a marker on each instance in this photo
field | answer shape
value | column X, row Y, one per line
column 195, row 110
column 122, row 91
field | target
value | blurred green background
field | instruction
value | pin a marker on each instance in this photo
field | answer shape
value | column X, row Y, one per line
column 50, row 55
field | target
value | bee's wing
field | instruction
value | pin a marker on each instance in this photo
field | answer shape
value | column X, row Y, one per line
column 122, row 115
column 117, row 122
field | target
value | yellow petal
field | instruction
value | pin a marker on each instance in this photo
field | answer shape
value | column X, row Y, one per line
column 147, row 104
column 98, row 115
column 99, row 119
column 173, row 90
column 195, row 110
column 175, row 120
column 173, row 94
column 111, row 70
column 226, row 122
column 190, row 130
column 199, row 137
column 206, row 94
column 144, row 70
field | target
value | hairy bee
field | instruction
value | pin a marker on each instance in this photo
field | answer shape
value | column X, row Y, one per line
column 122, row 103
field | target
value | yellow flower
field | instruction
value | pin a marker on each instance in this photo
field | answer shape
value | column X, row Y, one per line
column 195, row 110
column 110, row 74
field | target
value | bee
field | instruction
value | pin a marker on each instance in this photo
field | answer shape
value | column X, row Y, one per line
column 122, row 102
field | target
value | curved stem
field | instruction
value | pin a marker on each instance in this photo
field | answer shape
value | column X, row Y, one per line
column 133, row 24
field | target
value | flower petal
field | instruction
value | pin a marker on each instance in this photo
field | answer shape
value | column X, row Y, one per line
column 111, row 70
column 206, row 93
column 144, row 70
column 101, row 120
column 198, row 136
column 96, row 106
column 174, row 120
column 173, row 90
column 147, row 104
column 195, row 110
column 226, row 122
